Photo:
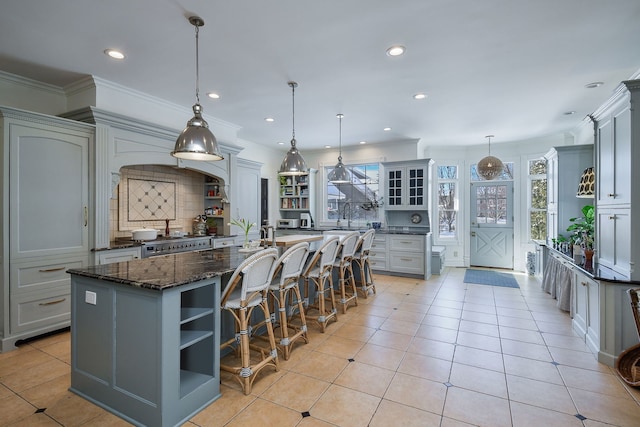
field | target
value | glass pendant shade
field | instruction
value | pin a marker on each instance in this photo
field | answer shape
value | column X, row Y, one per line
column 339, row 174
column 490, row 167
column 293, row 163
column 196, row 141
column 587, row 187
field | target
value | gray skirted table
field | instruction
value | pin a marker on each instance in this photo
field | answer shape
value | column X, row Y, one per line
column 145, row 334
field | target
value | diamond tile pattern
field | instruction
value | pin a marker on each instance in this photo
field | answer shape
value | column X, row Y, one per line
column 151, row 200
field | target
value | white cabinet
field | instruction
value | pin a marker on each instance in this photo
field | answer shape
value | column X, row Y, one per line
column 407, row 184
column 46, row 214
column 617, row 192
column 378, row 255
column 407, row 254
column 586, row 311
column 248, row 192
column 565, row 165
column 614, row 238
column 118, row 255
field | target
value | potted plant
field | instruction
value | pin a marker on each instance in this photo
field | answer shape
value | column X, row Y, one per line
column 212, row 227
column 245, row 226
column 583, row 230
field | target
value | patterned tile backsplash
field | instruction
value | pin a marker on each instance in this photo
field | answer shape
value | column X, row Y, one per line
column 148, row 195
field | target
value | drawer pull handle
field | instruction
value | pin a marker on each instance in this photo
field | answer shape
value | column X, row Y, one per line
column 51, row 270
column 405, row 242
column 584, row 283
column 86, row 216
column 611, row 195
column 406, row 259
column 612, row 217
column 53, row 302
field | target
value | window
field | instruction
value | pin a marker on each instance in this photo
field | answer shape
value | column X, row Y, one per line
column 448, row 202
column 358, row 200
column 537, row 177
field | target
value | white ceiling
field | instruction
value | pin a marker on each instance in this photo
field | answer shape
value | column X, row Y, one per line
column 504, row 67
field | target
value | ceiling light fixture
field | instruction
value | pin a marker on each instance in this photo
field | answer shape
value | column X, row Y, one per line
column 196, row 141
column 339, row 174
column 293, row 163
column 396, row 50
column 113, row 53
column 387, row 129
column 213, row 95
column 489, row 167
column 593, row 85
column 363, row 142
column 269, row 119
column 419, row 96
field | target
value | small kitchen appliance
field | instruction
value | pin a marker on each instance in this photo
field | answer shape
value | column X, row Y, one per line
column 288, row 223
column 305, row 220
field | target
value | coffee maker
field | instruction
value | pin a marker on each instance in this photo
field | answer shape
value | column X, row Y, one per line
column 305, row 220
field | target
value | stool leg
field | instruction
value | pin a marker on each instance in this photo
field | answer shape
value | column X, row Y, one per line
column 284, row 327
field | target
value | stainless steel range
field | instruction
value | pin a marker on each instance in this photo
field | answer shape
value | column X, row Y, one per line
column 166, row 246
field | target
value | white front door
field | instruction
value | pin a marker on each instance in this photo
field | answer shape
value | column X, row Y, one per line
column 492, row 224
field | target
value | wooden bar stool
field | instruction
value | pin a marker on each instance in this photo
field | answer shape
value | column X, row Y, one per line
column 345, row 270
column 318, row 271
column 361, row 259
column 284, row 292
column 247, row 289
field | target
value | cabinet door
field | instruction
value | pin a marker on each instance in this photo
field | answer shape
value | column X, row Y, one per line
column 580, row 304
column 395, row 179
column 49, row 192
column 416, row 187
column 614, row 159
column 248, row 200
column 614, row 239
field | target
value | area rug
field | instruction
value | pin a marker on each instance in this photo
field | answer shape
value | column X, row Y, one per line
column 491, row 278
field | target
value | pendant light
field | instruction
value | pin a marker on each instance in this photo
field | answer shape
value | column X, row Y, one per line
column 490, row 167
column 339, row 174
column 293, row 163
column 196, row 142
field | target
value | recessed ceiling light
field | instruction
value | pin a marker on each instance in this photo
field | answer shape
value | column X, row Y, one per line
column 363, row 142
column 213, row 95
column 593, row 85
column 396, row 50
column 269, row 119
column 387, row 129
column 280, row 143
column 327, row 146
column 569, row 113
column 419, row 96
column 115, row 54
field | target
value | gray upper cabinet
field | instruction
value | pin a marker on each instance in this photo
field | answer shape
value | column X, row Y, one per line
column 407, row 184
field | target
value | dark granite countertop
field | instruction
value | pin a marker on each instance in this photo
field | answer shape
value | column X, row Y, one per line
column 167, row 271
column 420, row 231
column 598, row 272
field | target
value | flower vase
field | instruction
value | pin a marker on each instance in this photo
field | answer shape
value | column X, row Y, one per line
column 246, row 244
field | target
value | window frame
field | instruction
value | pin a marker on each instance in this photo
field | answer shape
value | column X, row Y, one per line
column 456, row 202
column 530, row 208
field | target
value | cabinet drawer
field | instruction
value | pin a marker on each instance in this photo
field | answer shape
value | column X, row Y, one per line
column 34, row 310
column 412, row 263
column 39, row 275
column 407, row 243
column 223, row 243
column 378, row 263
column 118, row 255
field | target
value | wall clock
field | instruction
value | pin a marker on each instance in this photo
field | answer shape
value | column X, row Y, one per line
column 416, row 218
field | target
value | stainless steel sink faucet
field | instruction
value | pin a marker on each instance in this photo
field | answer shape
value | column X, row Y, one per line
column 344, row 214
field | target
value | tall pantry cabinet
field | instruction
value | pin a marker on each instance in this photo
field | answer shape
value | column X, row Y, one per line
column 617, row 177
column 44, row 206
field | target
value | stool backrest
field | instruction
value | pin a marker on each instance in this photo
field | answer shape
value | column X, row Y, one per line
column 348, row 245
column 366, row 241
column 289, row 266
column 255, row 273
column 323, row 258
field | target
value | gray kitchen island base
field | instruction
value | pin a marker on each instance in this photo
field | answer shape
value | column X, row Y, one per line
column 152, row 357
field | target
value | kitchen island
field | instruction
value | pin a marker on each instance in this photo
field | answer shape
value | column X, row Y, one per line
column 145, row 334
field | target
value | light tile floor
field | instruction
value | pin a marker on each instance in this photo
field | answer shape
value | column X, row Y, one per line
column 419, row 353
